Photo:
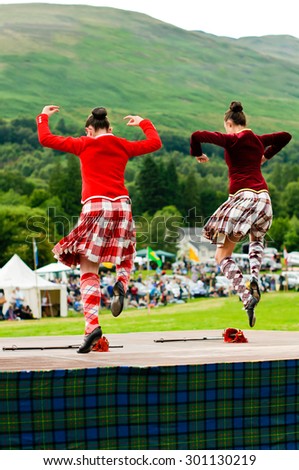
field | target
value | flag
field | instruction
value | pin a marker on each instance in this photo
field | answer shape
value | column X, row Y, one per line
column 35, row 253
column 193, row 254
column 151, row 255
column 285, row 256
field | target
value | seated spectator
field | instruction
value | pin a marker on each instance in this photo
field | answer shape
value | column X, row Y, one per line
column 71, row 299
column 281, row 282
column 105, row 298
column 73, row 286
column 77, row 304
column 134, row 293
column 198, row 289
column 164, row 296
column 222, row 292
column 273, row 283
column 154, row 292
column 10, row 313
column 2, row 302
column 264, row 283
column 25, row 313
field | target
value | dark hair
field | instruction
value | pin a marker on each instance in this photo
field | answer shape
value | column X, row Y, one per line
column 235, row 114
column 98, row 119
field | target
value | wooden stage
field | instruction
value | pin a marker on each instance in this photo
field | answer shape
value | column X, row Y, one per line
column 146, row 350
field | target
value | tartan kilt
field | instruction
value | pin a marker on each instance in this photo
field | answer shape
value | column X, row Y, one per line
column 243, row 213
column 105, row 232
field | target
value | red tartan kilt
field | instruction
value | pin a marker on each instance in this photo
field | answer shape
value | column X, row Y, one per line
column 105, row 233
column 245, row 212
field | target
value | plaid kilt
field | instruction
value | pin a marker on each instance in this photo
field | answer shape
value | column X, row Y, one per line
column 105, row 233
column 243, row 213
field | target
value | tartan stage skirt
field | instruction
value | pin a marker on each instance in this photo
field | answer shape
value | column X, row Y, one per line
column 105, row 233
column 243, row 213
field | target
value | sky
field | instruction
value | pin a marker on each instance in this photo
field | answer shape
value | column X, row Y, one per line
column 219, row 17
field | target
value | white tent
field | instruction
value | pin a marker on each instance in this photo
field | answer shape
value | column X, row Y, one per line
column 16, row 273
column 53, row 268
column 54, row 271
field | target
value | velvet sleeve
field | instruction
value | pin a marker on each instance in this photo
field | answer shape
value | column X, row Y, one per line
column 273, row 143
column 216, row 138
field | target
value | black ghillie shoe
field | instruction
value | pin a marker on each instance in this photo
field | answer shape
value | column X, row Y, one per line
column 90, row 340
column 254, row 288
column 117, row 303
column 250, row 311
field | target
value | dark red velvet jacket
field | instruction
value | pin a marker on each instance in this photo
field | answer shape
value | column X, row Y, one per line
column 243, row 152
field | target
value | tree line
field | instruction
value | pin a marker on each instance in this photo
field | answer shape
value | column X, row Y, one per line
column 40, row 192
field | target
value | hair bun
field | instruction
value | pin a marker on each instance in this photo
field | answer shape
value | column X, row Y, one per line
column 236, row 107
column 99, row 113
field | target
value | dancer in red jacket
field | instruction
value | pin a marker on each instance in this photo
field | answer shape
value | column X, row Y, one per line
column 248, row 209
column 105, row 231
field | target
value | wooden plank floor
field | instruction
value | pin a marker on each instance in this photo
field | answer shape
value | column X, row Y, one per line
column 143, row 350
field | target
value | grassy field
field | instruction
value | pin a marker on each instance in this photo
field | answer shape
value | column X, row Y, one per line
column 276, row 311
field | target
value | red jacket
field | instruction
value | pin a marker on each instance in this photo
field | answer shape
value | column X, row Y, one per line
column 243, row 152
column 103, row 159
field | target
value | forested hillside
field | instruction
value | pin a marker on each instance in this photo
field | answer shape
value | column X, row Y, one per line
column 80, row 57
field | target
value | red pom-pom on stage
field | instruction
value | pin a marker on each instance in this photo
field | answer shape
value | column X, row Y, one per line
column 102, row 345
column 232, row 335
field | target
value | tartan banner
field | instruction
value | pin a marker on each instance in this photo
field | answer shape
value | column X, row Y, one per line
column 249, row 406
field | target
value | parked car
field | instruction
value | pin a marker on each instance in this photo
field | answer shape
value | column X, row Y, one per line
column 271, row 260
column 270, row 251
column 270, row 264
column 293, row 258
column 179, row 290
column 223, row 282
column 292, row 278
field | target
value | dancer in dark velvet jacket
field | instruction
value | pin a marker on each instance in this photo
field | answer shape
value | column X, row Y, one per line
column 248, row 209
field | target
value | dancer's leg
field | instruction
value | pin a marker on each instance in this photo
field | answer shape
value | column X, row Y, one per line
column 123, row 273
column 256, row 253
column 230, row 269
column 90, row 293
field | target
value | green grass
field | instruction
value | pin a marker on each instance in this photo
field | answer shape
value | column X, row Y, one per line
column 277, row 311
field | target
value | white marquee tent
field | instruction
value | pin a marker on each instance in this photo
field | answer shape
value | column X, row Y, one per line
column 16, row 273
column 56, row 270
column 53, row 268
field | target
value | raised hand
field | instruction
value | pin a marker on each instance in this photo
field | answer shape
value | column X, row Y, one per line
column 202, row 159
column 50, row 109
column 133, row 120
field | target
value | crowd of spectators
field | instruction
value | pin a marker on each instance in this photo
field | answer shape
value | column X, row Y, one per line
column 160, row 288
column 184, row 281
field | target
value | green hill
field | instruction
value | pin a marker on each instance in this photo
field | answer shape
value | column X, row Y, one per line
column 83, row 56
column 279, row 47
